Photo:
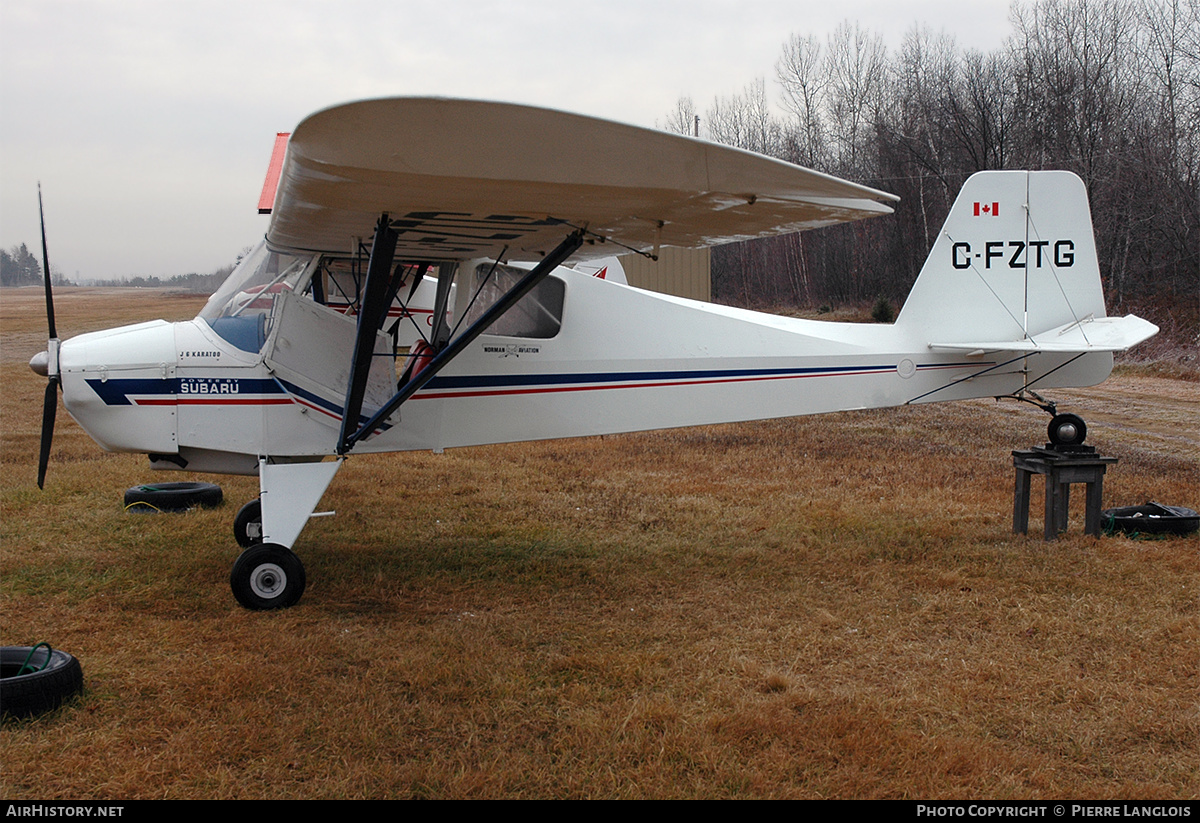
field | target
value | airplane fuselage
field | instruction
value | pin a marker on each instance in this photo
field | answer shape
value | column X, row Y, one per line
column 620, row 359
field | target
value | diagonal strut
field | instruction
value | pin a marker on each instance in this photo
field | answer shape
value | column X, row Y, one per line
column 527, row 283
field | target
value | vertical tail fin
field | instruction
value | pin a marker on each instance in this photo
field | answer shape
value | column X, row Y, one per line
column 1015, row 259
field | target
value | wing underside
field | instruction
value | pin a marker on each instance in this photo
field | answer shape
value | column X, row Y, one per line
column 463, row 179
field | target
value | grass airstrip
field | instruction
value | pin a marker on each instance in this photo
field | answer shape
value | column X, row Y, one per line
column 828, row 607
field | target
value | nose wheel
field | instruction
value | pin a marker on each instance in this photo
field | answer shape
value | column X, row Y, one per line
column 267, row 576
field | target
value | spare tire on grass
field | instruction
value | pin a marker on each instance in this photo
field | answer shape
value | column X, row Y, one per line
column 172, row 497
column 36, row 679
column 1152, row 518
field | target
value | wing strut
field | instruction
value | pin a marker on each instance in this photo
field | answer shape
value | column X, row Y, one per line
column 440, row 335
column 372, row 311
column 526, row 284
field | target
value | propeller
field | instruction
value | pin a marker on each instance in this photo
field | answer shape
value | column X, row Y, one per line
column 46, row 363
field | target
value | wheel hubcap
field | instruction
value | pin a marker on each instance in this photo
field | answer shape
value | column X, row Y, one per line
column 268, row 581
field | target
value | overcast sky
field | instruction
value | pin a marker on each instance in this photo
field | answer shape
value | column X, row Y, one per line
column 150, row 124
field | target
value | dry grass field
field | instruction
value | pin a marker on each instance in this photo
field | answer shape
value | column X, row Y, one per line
column 827, row 607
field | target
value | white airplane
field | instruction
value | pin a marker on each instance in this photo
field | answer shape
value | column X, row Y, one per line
column 411, row 293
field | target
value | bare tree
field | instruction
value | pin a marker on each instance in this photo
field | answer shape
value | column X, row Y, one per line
column 745, row 120
column 683, row 119
column 801, row 73
column 855, row 62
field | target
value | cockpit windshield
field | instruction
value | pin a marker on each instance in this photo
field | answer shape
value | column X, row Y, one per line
column 240, row 311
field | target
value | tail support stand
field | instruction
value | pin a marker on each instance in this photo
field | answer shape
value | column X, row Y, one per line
column 1061, row 469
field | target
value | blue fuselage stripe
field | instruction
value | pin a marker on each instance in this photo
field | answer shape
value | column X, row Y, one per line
column 526, row 380
column 118, row 391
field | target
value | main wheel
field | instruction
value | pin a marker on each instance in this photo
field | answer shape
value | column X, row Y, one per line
column 247, row 526
column 1067, row 430
column 267, row 576
column 35, row 683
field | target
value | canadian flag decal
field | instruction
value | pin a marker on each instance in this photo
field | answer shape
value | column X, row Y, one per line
column 987, row 209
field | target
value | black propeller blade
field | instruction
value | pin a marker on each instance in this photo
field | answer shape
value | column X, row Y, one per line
column 49, row 410
column 46, row 268
column 50, row 403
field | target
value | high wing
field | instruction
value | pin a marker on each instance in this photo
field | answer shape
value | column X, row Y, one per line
column 463, row 179
column 440, row 181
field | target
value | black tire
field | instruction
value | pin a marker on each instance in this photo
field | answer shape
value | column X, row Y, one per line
column 172, row 497
column 25, row 695
column 267, row 576
column 1153, row 518
column 247, row 526
column 1067, row 430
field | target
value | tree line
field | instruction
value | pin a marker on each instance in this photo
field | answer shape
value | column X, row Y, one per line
column 193, row 282
column 1108, row 89
column 19, row 267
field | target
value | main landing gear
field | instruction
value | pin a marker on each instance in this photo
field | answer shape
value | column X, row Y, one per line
column 268, row 574
column 247, row 526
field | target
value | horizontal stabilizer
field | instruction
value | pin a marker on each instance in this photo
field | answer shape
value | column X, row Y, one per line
column 1089, row 335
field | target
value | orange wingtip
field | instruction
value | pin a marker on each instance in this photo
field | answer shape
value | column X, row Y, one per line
column 267, row 199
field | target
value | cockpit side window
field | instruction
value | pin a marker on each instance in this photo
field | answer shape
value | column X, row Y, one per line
column 338, row 282
column 536, row 315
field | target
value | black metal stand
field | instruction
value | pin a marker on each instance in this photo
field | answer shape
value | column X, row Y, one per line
column 1061, row 466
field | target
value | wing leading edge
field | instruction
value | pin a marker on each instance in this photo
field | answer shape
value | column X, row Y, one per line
column 462, row 179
